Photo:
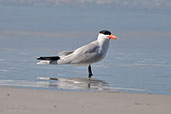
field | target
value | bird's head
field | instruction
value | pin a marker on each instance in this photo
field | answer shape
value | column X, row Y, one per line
column 105, row 34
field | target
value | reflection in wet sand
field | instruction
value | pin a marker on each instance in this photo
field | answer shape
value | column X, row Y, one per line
column 78, row 83
column 60, row 83
column 67, row 84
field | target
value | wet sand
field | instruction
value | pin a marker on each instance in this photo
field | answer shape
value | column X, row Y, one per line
column 30, row 101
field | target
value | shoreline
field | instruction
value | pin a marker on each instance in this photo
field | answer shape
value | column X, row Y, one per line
column 26, row 101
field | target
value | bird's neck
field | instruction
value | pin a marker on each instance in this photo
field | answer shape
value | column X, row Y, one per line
column 102, row 40
column 103, row 43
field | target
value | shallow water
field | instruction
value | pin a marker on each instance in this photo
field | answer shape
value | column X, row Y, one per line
column 140, row 61
column 123, row 69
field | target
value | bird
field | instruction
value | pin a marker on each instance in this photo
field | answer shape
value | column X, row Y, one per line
column 85, row 55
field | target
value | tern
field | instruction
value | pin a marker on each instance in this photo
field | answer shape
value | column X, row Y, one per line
column 84, row 55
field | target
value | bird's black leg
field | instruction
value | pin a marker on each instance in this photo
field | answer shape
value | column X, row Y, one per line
column 90, row 72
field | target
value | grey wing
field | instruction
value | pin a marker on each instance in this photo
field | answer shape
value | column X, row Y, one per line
column 89, row 48
column 84, row 55
column 87, row 54
column 65, row 53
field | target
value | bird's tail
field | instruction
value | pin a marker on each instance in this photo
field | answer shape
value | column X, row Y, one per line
column 48, row 60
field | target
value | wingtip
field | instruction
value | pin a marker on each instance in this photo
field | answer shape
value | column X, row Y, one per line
column 49, row 58
column 38, row 58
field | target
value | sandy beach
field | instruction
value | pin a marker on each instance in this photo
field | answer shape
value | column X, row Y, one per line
column 28, row 101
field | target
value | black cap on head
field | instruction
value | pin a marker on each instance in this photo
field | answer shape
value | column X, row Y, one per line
column 105, row 32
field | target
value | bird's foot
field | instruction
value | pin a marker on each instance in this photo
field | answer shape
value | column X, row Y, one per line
column 90, row 75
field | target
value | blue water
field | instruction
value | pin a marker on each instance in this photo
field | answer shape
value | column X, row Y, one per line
column 124, row 69
column 140, row 61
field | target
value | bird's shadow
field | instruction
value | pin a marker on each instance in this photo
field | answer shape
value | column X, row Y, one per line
column 78, row 83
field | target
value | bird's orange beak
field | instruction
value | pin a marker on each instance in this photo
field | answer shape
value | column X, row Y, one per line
column 112, row 37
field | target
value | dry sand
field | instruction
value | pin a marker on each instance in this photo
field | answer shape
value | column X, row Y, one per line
column 27, row 101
